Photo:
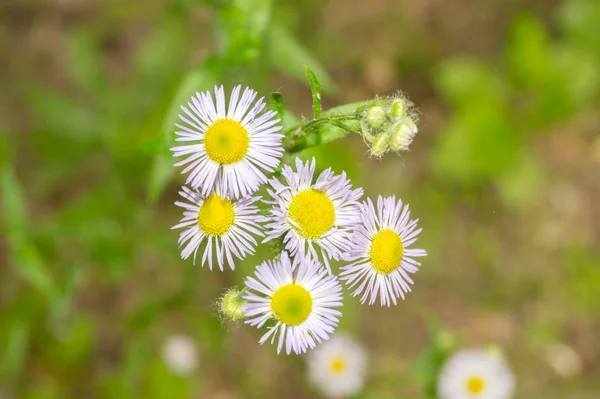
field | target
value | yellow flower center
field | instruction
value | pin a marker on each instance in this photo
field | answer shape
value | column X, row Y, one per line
column 216, row 215
column 386, row 251
column 291, row 304
column 475, row 385
column 313, row 212
column 226, row 141
column 337, row 365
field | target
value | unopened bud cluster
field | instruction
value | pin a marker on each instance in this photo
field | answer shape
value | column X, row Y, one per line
column 389, row 124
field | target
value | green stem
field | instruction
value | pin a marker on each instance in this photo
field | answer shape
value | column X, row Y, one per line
column 309, row 135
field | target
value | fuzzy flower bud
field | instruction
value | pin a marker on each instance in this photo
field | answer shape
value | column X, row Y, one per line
column 398, row 108
column 380, row 145
column 230, row 305
column 402, row 134
column 375, row 116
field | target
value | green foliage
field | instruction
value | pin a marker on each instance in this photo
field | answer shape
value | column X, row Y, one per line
column 315, row 88
column 242, row 26
column 287, row 54
column 498, row 108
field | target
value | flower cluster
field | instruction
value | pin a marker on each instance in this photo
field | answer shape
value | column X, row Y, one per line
column 389, row 124
column 228, row 154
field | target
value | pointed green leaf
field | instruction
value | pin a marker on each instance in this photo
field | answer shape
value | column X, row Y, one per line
column 315, row 88
column 276, row 104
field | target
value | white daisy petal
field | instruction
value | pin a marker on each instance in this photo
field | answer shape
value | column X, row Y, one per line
column 312, row 216
column 219, row 223
column 236, row 146
column 476, row 374
column 381, row 259
column 338, row 367
column 299, row 298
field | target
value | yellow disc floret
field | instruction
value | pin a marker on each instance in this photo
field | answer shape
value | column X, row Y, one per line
column 386, row 251
column 313, row 212
column 226, row 141
column 337, row 365
column 216, row 215
column 291, row 304
column 475, row 385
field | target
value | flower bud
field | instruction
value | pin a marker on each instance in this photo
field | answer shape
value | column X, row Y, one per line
column 375, row 116
column 380, row 145
column 230, row 305
column 398, row 108
column 402, row 134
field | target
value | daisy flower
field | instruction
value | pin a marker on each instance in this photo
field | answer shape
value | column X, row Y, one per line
column 382, row 259
column 312, row 215
column 223, row 225
column 337, row 367
column 235, row 145
column 298, row 299
column 476, row 374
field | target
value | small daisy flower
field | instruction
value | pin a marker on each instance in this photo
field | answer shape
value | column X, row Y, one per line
column 298, row 299
column 476, row 374
column 312, row 215
column 337, row 367
column 180, row 354
column 235, row 145
column 382, row 259
column 223, row 225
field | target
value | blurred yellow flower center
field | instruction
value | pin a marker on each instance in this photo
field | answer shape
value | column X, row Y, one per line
column 313, row 212
column 337, row 365
column 291, row 304
column 216, row 215
column 226, row 141
column 386, row 251
column 475, row 385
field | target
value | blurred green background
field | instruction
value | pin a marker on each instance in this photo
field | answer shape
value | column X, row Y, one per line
column 504, row 175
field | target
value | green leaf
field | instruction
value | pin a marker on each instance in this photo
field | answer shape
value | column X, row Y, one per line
column 528, row 52
column 15, row 349
column 276, row 104
column 25, row 258
column 288, row 55
column 200, row 79
column 315, row 88
column 242, row 26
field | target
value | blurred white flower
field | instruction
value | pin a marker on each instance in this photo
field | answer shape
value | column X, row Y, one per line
column 476, row 374
column 563, row 360
column 337, row 367
column 180, row 354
